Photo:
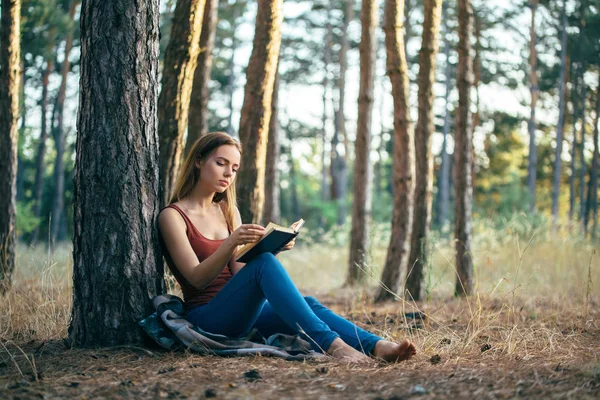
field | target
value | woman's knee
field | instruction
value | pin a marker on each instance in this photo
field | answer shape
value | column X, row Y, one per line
column 312, row 302
column 264, row 261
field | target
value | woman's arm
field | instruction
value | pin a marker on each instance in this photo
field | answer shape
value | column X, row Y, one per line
column 235, row 266
column 199, row 274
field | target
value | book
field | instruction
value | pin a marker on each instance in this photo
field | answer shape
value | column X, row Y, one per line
column 274, row 239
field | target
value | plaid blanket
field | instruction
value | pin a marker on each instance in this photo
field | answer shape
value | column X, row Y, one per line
column 170, row 330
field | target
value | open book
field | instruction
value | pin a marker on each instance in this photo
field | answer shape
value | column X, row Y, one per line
column 274, row 239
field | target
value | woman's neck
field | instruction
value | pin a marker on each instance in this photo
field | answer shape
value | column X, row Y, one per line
column 199, row 198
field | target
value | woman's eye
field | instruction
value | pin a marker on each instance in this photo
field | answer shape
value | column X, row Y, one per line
column 221, row 164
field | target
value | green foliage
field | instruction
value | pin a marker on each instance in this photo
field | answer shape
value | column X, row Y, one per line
column 26, row 220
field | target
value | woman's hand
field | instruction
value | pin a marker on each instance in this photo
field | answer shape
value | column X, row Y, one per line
column 246, row 233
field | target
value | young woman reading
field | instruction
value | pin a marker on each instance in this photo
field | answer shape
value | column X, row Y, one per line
column 201, row 229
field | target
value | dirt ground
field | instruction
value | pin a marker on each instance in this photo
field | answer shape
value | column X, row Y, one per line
column 460, row 357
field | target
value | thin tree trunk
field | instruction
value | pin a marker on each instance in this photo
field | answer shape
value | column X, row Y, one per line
column 403, row 153
column 534, row 92
column 339, row 165
column 575, row 100
column 10, row 60
column 198, row 118
column 408, row 9
column 272, row 210
column 256, row 110
column 361, row 207
column 476, row 81
column 595, row 166
column 561, row 119
column 41, row 152
column 418, row 258
column 463, row 154
column 231, row 77
column 444, row 180
column 117, row 268
column 293, row 180
column 23, row 112
column 58, row 203
column 181, row 57
column 325, row 120
column 582, row 165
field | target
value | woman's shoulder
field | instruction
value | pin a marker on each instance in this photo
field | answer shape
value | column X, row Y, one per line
column 170, row 215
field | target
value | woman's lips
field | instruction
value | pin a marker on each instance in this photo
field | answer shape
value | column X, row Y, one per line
column 223, row 183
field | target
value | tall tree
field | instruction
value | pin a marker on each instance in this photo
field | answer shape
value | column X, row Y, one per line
column 593, row 190
column 444, row 178
column 534, row 93
column 417, row 259
column 117, row 268
column 272, row 210
column 41, row 151
column 339, row 164
column 325, row 190
column 403, row 158
column 256, row 110
column 463, row 153
column 575, row 98
column 582, row 163
column 10, row 57
column 181, row 57
column 198, row 119
column 561, row 116
column 361, row 206
column 58, row 203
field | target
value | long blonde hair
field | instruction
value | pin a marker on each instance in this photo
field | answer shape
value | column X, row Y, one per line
column 189, row 173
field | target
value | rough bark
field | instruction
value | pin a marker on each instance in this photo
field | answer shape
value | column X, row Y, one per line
column 10, row 58
column 256, row 110
column 181, row 56
column 463, row 154
column 418, row 258
column 272, row 210
column 58, row 203
column 534, row 93
column 41, row 151
column 361, row 206
column 403, row 152
column 117, row 268
column 198, row 116
column 561, row 119
column 444, row 178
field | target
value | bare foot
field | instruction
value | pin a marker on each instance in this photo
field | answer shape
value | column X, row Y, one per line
column 394, row 352
column 339, row 349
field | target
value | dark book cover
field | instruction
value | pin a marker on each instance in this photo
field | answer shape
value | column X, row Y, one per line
column 271, row 243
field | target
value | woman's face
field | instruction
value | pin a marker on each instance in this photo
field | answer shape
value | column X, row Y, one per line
column 219, row 170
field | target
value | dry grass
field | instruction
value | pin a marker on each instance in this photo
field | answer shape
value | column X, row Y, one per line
column 532, row 329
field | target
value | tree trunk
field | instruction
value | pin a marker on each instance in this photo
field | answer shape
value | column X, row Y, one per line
column 58, row 203
column 534, row 91
column 231, row 77
column 325, row 120
column 575, row 100
column 463, row 154
column 561, row 119
column 444, row 178
column 41, row 153
column 293, row 181
column 181, row 56
column 198, row 119
column 476, row 81
column 595, row 166
column 403, row 157
column 23, row 112
column 408, row 9
column 256, row 110
column 418, row 258
column 117, row 268
column 339, row 164
column 582, row 165
column 361, row 207
column 272, row 211
column 10, row 58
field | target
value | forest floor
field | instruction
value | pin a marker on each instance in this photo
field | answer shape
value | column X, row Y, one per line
column 475, row 349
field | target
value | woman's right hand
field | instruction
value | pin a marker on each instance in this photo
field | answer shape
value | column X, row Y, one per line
column 246, row 233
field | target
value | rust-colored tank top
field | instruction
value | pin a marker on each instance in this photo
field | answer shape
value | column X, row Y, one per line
column 203, row 248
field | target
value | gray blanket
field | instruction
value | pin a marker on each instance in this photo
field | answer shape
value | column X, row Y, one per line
column 168, row 327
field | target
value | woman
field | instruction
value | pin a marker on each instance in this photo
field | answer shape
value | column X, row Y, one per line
column 201, row 229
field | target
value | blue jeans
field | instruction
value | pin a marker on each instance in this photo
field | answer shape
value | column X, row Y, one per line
column 262, row 296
